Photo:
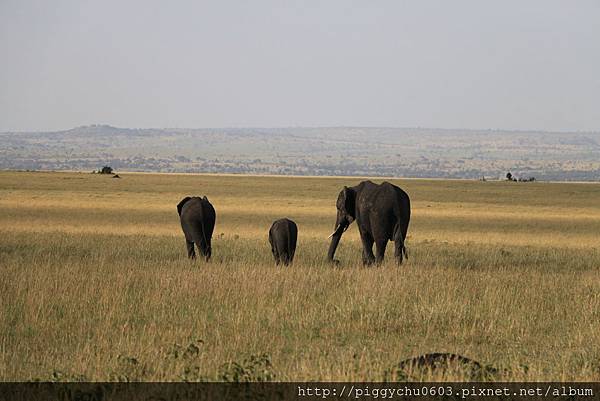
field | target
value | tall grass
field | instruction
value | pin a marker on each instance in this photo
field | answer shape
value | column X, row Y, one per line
column 96, row 285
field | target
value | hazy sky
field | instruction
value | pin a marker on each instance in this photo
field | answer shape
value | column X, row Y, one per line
column 454, row 64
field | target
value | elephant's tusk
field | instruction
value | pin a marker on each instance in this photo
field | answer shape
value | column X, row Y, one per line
column 334, row 231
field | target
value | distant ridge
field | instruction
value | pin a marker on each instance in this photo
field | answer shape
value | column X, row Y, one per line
column 436, row 130
column 348, row 151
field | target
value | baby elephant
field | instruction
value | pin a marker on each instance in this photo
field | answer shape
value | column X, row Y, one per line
column 282, row 236
column 197, row 217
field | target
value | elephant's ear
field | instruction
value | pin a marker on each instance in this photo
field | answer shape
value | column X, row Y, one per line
column 180, row 204
column 346, row 202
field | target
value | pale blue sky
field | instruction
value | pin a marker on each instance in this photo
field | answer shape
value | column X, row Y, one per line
column 449, row 64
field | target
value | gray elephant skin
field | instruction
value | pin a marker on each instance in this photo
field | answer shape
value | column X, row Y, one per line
column 197, row 217
column 283, row 236
column 382, row 213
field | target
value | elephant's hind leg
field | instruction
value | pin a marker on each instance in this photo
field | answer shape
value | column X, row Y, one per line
column 190, row 249
column 276, row 256
column 399, row 248
column 286, row 258
column 398, row 251
column 367, row 255
column 380, row 251
column 208, row 253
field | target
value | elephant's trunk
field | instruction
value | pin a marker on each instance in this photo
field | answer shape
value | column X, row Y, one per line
column 335, row 240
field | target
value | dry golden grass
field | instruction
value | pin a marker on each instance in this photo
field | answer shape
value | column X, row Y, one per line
column 96, row 285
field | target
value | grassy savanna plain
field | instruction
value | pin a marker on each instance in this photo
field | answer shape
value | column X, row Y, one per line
column 96, row 284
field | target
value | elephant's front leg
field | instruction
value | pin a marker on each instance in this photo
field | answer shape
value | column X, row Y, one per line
column 190, row 249
column 367, row 255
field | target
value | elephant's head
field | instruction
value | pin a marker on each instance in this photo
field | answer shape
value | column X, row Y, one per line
column 346, row 213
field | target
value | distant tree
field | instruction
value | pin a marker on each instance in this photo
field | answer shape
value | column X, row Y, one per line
column 509, row 176
column 106, row 170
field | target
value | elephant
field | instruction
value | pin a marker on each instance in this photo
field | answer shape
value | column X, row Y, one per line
column 197, row 217
column 382, row 213
column 282, row 237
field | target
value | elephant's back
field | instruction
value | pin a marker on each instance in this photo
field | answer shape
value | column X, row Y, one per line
column 399, row 193
column 193, row 206
column 197, row 208
column 284, row 223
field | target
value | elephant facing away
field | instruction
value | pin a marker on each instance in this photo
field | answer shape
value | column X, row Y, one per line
column 197, row 218
column 382, row 213
column 282, row 237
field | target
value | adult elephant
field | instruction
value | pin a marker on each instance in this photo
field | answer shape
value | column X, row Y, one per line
column 197, row 217
column 283, row 236
column 382, row 213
